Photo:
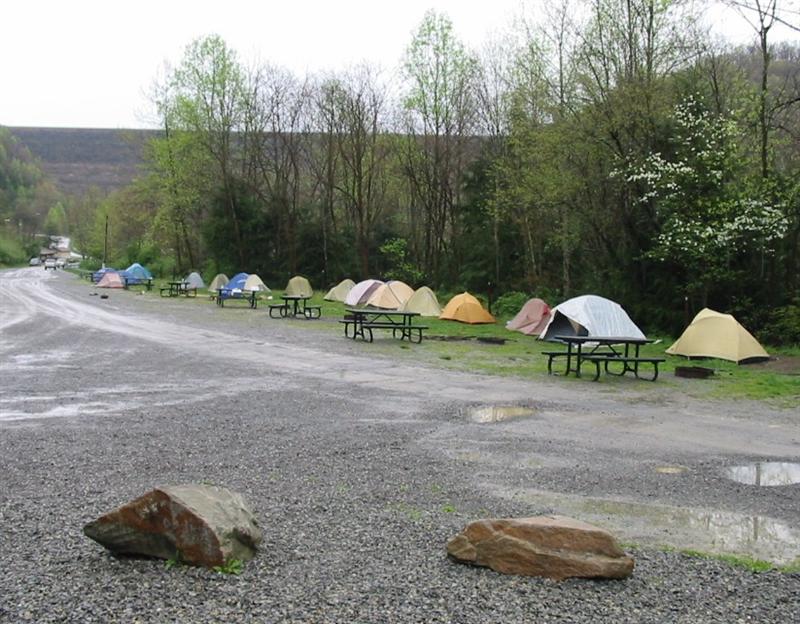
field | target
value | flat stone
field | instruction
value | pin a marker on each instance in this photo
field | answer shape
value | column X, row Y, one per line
column 201, row 525
column 551, row 546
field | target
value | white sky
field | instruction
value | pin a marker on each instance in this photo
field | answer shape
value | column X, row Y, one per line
column 89, row 63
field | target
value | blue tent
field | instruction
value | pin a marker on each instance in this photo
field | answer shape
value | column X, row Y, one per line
column 236, row 283
column 137, row 271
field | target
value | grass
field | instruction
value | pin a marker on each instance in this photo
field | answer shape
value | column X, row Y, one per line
column 455, row 346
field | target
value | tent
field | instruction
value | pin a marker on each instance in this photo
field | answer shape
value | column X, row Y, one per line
column 253, row 282
column 98, row 275
column 424, row 302
column 391, row 296
column 711, row 334
column 466, row 309
column 339, row 292
column 220, row 280
column 531, row 319
column 193, row 280
column 590, row 315
column 111, row 279
column 299, row 286
column 359, row 293
column 137, row 271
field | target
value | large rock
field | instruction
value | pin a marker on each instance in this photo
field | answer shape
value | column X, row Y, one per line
column 199, row 524
column 551, row 546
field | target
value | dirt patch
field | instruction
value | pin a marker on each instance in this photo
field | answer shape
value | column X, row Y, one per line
column 786, row 364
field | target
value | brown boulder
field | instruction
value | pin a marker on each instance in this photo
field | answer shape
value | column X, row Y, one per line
column 200, row 525
column 552, row 546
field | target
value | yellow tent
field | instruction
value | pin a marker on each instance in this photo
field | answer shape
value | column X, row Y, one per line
column 424, row 302
column 218, row 282
column 340, row 291
column 253, row 282
column 299, row 286
column 391, row 296
column 467, row 309
column 711, row 334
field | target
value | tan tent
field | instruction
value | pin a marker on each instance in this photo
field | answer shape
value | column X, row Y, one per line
column 111, row 279
column 466, row 309
column 253, row 282
column 218, row 282
column 424, row 302
column 390, row 296
column 340, row 291
column 359, row 293
column 531, row 319
column 299, row 286
column 711, row 334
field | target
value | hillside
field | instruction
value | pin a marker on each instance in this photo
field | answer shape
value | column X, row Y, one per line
column 79, row 158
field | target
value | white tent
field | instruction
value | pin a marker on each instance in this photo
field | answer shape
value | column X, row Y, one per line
column 254, row 282
column 194, row 280
column 590, row 315
column 359, row 293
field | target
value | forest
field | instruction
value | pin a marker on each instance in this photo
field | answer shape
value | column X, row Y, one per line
column 614, row 147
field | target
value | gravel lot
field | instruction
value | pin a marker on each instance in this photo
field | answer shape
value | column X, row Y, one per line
column 359, row 469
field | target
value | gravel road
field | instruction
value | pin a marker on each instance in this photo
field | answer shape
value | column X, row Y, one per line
column 360, row 466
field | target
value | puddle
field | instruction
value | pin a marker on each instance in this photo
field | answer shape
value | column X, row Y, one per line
column 765, row 473
column 720, row 532
column 671, row 469
column 498, row 413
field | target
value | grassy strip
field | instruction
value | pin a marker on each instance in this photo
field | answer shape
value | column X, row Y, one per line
column 456, row 346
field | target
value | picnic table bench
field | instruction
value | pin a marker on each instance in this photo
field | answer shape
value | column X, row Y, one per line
column 364, row 320
column 605, row 350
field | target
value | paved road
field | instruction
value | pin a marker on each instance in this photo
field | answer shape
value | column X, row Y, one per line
column 646, row 461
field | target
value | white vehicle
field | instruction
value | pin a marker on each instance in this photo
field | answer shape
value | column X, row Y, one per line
column 50, row 263
column 60, row 263
column 35, row 262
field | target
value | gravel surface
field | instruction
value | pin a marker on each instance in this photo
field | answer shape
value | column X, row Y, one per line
column 359, row 469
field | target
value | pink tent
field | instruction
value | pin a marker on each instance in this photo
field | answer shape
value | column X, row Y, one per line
column 531, row 319
column 111, row 280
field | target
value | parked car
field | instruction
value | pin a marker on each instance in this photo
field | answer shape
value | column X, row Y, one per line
column 35, row 262
column 60, row 263
column 50, row 263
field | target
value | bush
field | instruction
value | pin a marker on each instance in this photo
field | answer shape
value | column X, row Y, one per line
column 783, row 326
column 11, row 252
column 509, row 303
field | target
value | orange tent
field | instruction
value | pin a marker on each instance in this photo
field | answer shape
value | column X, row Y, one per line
column 466, row 309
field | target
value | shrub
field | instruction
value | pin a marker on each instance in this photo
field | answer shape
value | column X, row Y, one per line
column 509, row 303
column 11, row 252
column 783, row 326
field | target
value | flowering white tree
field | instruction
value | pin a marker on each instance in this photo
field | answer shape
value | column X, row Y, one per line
column 707, row 217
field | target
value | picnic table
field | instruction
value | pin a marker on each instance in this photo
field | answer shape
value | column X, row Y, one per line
column 250, row 296
column 173, row 289
column 621, row 352
column 147, row 282
column 364, row 320
column 293, row 306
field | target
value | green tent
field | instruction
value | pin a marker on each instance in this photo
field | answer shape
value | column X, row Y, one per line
column 339, row 292
column 299, row 286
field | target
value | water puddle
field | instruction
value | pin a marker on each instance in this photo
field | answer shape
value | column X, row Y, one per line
column 498, row 413
column 719, row 532
column 765, row 473
column 671, row 469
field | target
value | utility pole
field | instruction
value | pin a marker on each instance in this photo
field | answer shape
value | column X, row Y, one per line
column 105, row 244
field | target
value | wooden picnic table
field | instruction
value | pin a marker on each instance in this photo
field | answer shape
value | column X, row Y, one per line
column 364, row 320
column 294, row 306
column 251, row 296
column 173, row 289
column 605, row 350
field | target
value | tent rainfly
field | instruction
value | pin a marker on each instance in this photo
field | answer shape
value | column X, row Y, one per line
column 590, row 315
column 423, row 302
column 359, row 293
column 390, row 296
column 711, row 334
column 194, row 280
column 299, row 286
column 340, row 291
column 466, row 309
column 220, row 280
column 531, row 319
column 111, row 279
column 253, row 282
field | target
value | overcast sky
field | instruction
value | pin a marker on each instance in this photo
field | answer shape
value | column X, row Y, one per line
column 89, row 63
